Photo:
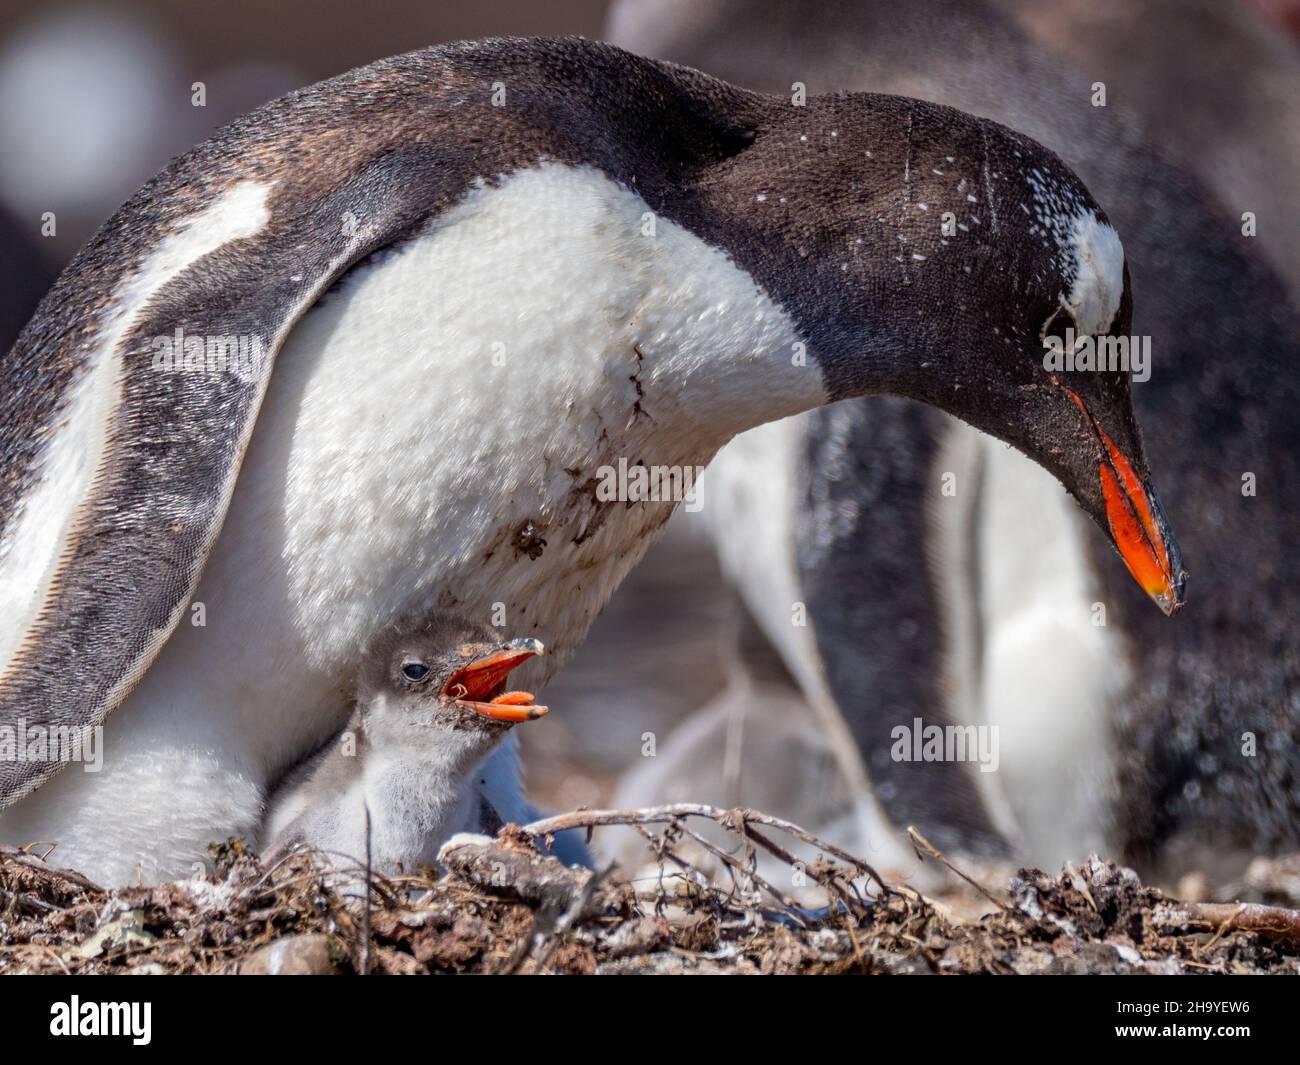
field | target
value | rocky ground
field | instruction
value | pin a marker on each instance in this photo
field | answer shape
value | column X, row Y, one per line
column 503, row 906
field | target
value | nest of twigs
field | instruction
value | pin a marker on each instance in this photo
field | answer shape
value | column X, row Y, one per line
column 504, row 905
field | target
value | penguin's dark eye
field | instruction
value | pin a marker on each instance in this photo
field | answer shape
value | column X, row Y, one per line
column 414, row 670
column 1057, row 325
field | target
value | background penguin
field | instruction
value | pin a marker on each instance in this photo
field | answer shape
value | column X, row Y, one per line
column 431, row 705
column 399, row 209
column 1126, row 735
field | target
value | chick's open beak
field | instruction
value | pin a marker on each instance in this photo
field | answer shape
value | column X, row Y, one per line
column 480, row 686
column 1138, row 525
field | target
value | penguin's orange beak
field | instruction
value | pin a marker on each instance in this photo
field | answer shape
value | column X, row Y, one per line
column 1138, row 525
column 1140, row 531
column 480, row 686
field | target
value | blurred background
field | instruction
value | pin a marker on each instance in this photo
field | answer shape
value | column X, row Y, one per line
column 95, row 97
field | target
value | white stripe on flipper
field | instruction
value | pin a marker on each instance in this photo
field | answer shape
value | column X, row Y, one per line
column 41, row 531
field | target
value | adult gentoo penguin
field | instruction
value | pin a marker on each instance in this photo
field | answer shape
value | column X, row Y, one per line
column 399, row 779
column 484, row 273
column 1165, row 745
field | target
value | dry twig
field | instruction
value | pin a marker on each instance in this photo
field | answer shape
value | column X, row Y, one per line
column 1274, row 921
column 920, row 843
column 736, row 820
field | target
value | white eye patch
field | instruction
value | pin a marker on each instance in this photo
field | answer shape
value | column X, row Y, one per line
column 1099, row 273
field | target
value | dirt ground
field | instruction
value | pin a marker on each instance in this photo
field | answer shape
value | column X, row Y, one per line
column 503, row 906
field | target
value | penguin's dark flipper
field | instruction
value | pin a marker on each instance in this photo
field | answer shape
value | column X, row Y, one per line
column 129, row 400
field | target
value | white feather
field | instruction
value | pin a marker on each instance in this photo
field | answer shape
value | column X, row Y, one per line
column 30, row 552
column 1098, row 274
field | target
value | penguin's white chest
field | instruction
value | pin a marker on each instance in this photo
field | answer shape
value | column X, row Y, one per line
column 434, row 434
column 436, row 429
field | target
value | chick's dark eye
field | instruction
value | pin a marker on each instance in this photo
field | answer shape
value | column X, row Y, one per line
column 414, row 670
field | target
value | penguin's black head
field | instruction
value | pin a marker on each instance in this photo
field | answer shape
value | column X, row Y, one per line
column 931, row 254
column 449, row 666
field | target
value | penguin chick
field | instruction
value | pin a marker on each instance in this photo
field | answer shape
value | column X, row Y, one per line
column 431, row 704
